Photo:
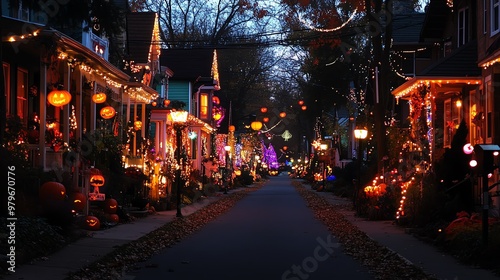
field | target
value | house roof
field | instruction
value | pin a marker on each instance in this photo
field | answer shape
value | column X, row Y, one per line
column 188, row 64
column 462, row 62
column 406, row 28
column 437, row 14
column 140, row 28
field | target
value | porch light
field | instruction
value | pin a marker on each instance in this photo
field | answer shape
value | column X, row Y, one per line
column 360, row 133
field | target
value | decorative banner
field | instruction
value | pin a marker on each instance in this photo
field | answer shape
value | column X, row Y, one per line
column 286, row 135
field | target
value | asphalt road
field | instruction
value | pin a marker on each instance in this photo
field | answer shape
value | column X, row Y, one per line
column 270, row 234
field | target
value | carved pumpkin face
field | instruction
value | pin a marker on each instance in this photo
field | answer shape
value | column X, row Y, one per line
column 59, row 97
column 79, row 201
column 107, row 112
column 99, row 97
column 97, row 180
column 52, row 191
column 92, row 223
column 110, row 206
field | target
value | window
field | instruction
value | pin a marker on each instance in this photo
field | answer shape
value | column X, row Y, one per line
column 489, row 111
column 495, row 17
column 6, row 80
column 463, row 27
column 203, row 106
column 22, row 94
column 485, row 16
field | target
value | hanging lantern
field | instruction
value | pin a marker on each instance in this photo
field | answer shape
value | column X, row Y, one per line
column 304, row 107
column 99, row 97
column 265, row 119
column 256, row 125
column 232, row 128
column 154, row 103
column 263, row 109
column 59, row 97
column 282, row 114
column 166, row 102
column 301, row 102
column 108, row 112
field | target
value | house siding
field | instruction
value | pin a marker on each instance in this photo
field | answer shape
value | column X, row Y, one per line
column 179, row 90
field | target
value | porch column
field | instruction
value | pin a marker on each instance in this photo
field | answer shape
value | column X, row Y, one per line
column 93, row 111
column 66, row 108
column 43, row 113
column 143, row 120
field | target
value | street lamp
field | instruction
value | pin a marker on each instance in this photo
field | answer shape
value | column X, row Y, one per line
column 179, row 119
column 360, row 133
column 227, row 148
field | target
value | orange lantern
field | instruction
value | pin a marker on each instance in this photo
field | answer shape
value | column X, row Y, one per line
column 282, row 114
column 154, row 103
column 263, row 109
column 285, row 148
column 166, row 102
column 79, row 200
column 301, row 102
column 92, row 223
column 110, row 206
column 232, row 128
column 52, row 191
column 99, row 97
column 304, row 107
column 59, row 97
column 256, row 125
column 265, row 119
column 108, row 112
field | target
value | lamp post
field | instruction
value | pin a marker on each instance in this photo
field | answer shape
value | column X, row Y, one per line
column 360, row 133
column 179, row 119
column 227, row 148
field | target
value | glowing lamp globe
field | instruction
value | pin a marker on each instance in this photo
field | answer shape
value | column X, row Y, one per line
column 266, row 119
column 301, row 102
column 59, row 97
column 360, row 133
column 99, row 97
column 179, row 117
column 282, row 114
column 263, row 109
column 468, row 149
column 232, row 128
column 256, row 126
column 304, row 107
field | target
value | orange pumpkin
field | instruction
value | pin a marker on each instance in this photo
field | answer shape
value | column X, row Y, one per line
column 59, row 97
column 92, row 223
column 285, row 148
column 256, row 125
column 166, row 102
column 79, row 200
column 99, row 97
column 263, row 109
column 113, row 218
column 154, row 103
column 231, row 128
column 52, row 191
column 107, row 112
column 110, row 206
column 97, row 180
column 265, row 119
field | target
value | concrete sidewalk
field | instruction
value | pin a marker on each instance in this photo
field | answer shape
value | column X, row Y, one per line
column 421, row 254
column 87, row 250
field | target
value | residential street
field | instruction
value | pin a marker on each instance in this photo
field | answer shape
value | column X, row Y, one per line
column 270, row 234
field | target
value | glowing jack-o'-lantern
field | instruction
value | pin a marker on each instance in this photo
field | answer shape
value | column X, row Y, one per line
column 52, row 191
column 231, row 128
column 59, row 97
column 92, row 223
column 110, row 206
column 107, row 112
column 97, row 180
column 282, row 114
column 137, row 125
column 166, row 102
column 256, row 125
column 79, row 200
column 263, row 109
column 265, row 119
column 99, row 97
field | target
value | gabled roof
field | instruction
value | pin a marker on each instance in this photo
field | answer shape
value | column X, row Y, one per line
column 188, row 64
column 406, row 28
column 140, row 28
column 462, row 62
